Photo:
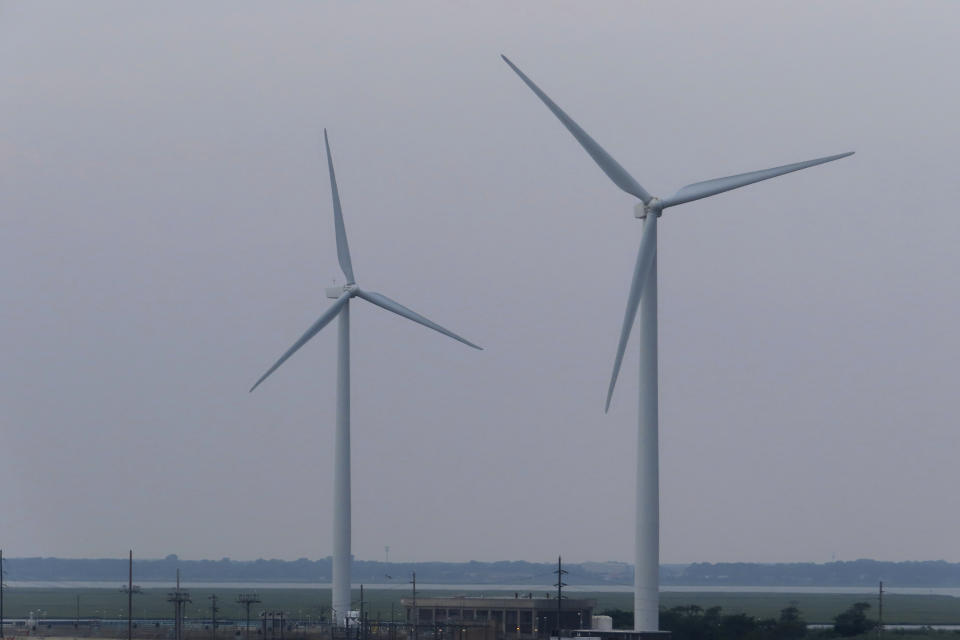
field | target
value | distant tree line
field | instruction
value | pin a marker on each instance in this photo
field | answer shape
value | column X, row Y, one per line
column 304, row 570
column 855, row 573
column 849, row 574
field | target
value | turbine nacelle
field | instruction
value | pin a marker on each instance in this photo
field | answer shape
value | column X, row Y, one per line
column 335, row 291
column 640, row 210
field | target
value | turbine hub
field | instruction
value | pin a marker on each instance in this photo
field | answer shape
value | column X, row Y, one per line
column 641, row 210
column 336, row 292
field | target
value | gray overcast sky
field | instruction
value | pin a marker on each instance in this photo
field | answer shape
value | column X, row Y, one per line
column 166, row 233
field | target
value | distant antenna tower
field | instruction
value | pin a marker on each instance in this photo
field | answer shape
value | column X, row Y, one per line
column 386, row 550
column 130, row 589
column 247, row 599
column 179, row 598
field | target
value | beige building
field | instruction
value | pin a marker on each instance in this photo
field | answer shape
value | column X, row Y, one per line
column 518, row 617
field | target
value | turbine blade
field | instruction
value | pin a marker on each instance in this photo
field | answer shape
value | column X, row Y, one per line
column 343, row 250
column 708, row 188
column 321, row 322
column 645, row 255
column 606, row 162
column 390, row 305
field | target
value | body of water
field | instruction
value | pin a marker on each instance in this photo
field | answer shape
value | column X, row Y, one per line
column 522, row 588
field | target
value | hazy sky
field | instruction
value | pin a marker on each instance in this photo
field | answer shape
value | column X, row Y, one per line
column 166, row 233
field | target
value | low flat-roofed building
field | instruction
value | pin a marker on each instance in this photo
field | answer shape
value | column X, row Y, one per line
column 522, row 616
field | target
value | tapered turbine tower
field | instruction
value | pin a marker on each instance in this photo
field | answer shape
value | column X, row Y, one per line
column 643, row 297
column 341, row 469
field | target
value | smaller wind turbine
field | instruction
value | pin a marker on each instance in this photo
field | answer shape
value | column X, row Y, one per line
column 341, row 474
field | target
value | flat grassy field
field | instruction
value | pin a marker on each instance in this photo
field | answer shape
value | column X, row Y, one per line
column 301, row 603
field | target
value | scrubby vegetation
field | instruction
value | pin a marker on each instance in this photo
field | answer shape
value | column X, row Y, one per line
column 692, row 622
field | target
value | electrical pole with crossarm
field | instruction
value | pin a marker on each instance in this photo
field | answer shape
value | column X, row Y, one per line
column 246, row 599
column 130, row 589
column 560, row 585
column 213, row 614
column 179, row 598
column 1, row 594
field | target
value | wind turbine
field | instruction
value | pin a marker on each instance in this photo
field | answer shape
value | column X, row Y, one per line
column 643, row 296
column 341, row 474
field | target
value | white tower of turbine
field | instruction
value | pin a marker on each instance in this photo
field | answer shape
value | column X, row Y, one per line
column 643, row 296
column 341, row 468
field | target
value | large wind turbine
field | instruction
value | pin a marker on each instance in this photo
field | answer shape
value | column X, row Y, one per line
column 643, row 296
column 341, row 473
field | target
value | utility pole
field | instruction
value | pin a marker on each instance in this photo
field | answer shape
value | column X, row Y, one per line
column 416, row 611
column 130, row 596
column 76, row 621
column 1, row 594
column 880, row 612
column 560, row 585
column 213, row 613
column 247, row 599
column 360, row 621
column 178, row 598
column 130, row 589
column 176, row 609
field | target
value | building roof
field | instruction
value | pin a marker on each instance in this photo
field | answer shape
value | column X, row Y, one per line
column 473, row 602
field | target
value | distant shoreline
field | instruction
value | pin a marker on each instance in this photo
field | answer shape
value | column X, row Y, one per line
column 490, row 588
column 864, row 575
